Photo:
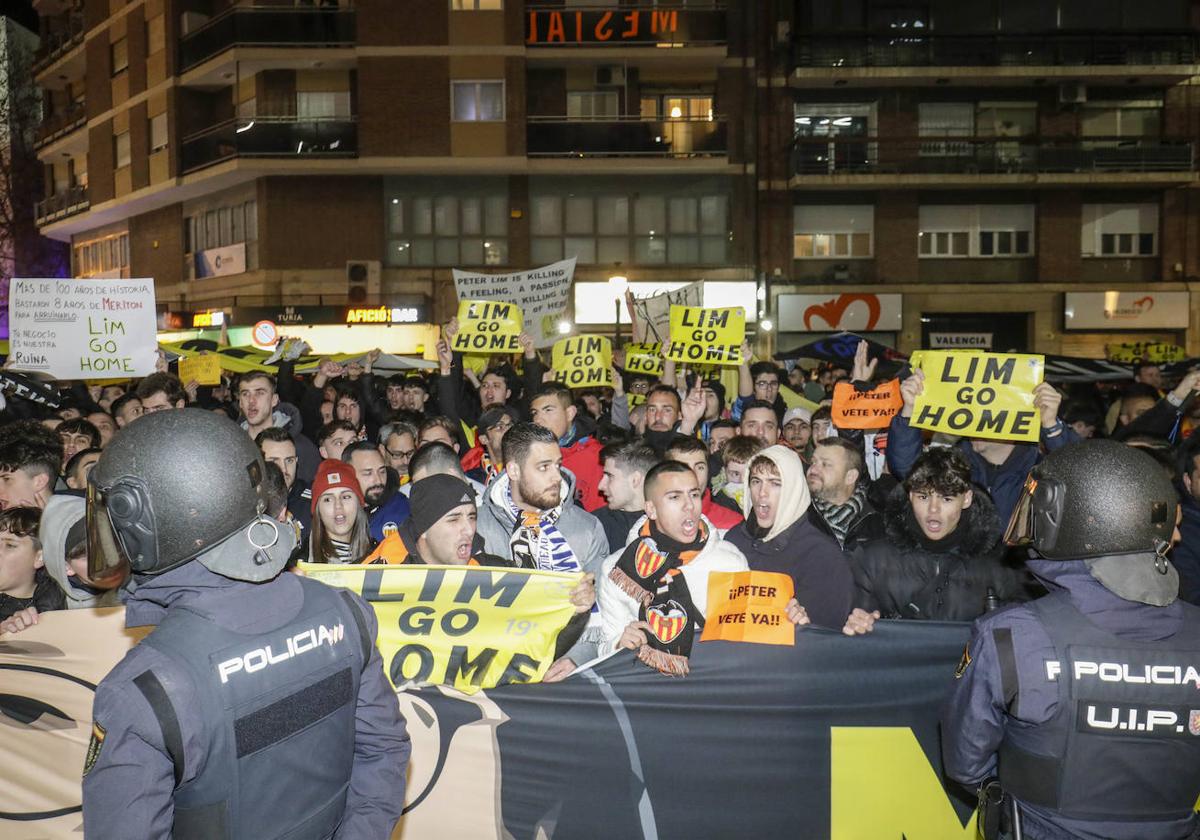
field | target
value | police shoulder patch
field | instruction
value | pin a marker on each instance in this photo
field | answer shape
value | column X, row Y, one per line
column 963, row 663
column 94, row 745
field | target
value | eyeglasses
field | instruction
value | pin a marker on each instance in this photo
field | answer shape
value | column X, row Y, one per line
column 502, row 426
column 400, row 453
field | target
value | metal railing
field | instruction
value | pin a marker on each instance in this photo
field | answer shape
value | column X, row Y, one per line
column 913, row 48
column 268, row 26
column 275, row 137
column 626, row 24
column 631, row 136
column 58, row 43
column 989, row 155
column 61, row 124
column 61, row 205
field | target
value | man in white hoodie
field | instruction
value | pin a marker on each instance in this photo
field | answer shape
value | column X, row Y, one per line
column 655, row 590
column 63, row 534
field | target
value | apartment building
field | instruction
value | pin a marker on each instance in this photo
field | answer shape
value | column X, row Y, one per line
column 314, row 156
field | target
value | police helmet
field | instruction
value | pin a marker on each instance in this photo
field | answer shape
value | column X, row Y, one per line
column 181, row 485
column 1106, row 503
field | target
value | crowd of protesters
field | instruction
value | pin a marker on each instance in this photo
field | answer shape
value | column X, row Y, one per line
column 509, row 468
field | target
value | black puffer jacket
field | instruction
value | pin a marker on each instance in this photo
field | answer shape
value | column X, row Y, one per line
column 906, row 575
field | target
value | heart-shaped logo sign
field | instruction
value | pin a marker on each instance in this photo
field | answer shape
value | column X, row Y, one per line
column 832, row 311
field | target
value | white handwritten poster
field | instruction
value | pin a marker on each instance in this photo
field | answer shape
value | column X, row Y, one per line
column 82, row 329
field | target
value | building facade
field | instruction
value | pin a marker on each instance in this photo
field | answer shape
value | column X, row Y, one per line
column 1008, row 173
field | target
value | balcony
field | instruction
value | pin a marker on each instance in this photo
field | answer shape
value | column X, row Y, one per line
column 271, row 137
column 974, row 157
column 625, row 25
column 60, row 124
column 61, row 205
column 625, row 137
column 55, row 44
column 268, row 26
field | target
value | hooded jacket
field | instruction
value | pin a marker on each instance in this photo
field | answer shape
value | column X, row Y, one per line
column 617, row 609
column 906, row 575
column 583, row 532
column 796, row 547
column 60, row 515
column 581, row 455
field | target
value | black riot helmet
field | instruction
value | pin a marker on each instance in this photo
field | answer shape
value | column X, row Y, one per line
column 1109, row 504
column 181, row 485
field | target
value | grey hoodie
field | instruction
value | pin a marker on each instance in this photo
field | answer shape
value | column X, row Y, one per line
column 61, row 513
column 583, row 533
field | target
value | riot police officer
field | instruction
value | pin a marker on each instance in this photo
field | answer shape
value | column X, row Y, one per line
column 257, row 707
column 1082, row 708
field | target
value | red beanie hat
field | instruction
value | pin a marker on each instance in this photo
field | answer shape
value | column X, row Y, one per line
column 334, row 475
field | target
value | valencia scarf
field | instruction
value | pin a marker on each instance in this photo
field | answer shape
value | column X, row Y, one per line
column 648, row 572
column 536, row 542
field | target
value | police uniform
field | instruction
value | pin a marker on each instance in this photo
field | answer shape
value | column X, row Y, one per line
column 1085, row 704
column 258, row 707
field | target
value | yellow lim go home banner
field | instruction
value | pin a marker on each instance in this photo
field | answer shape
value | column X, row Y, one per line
column 981, row 395
column 468, row 627
column 488, row 326
column 701, row 336
column 583, row 361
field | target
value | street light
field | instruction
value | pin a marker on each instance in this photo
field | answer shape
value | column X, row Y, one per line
column 617, row 283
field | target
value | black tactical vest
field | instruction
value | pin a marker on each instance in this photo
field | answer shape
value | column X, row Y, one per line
column 1124, row 742
column 280, row 719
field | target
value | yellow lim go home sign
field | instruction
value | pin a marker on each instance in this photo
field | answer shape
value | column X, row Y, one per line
column 488, row 326
column 702, row 336
column 980, row 395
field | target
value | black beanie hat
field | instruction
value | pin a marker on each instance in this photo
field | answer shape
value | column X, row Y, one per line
column 433, row 497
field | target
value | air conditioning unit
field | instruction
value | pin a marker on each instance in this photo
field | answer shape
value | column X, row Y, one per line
column 363, row 284
column 191, row 21
column 1072, row 93
column 610, row 75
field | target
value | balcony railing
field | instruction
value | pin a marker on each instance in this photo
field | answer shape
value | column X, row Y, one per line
column 268, row 26
column 625, row 137
column 271, row 137
column 61, row 124
column 625, row 24
column 912, row 48
column 988, row 155
column 61, row 205
column 56, row 44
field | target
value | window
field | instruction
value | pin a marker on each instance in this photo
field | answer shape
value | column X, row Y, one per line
column 156, row 34
column 976, row 230
column 1120, row 230
column 944, row 120
column 600, row 225
column 119, row 51
column 158, row 132
column 228, row 225
column 107, row 255
column 591, row 105
column 1006, row 119
column 121, row 152
column 322, row 104
column 1122, row 119
column 826, row 232
column 477, row 101
column 475, row 5
column 432, row 224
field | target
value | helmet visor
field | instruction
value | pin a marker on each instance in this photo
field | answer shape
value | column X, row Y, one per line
column 1020, row 524
column 107, row 560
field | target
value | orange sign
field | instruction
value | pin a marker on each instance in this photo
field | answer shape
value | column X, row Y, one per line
column 874, row 409
column 749, row 607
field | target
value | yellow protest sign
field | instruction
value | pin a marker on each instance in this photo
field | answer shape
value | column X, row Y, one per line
column 204, row 369
column 470, row 627
column 644, row 358
column 749, row 607
column 1153, row 352
column 980, row 395
column 488, row 326
column 635, row 400
column 701, row 336
column 582, row 361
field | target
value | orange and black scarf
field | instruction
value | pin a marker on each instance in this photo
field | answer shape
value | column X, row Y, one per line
column 648, row 572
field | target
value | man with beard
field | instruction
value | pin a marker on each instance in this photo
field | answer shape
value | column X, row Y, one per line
column 837, row 480
column 261, row 409
column 777, row 536
column 386, row 506
column 760, row 420
column 528, row 517
column 663, row 412
column 552, row 408
column 941, row 558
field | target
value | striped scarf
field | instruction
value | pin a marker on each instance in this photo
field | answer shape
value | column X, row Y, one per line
column 536, row 542
column 490, row 469
column 839, row 517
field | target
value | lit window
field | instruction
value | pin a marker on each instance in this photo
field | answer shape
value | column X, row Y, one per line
column 478, row 101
